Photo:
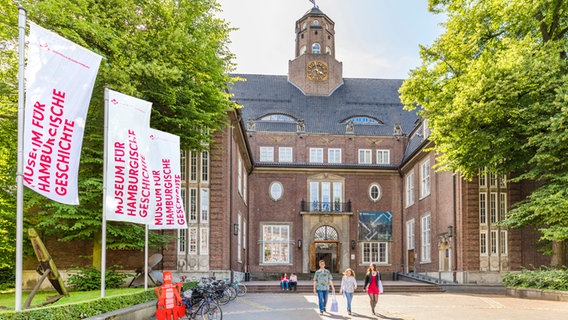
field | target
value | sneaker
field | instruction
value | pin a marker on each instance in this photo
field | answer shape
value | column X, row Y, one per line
column 349, row 312
column 321, row 313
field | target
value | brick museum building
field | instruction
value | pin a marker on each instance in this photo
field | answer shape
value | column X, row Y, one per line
column 318, row 166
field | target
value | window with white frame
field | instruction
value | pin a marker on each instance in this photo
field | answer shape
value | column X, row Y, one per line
column 374, row 252
column 425, row 179
column 502, row 206
column 483, row 243
column 425, row 129
column 493, row 207
column 493, row 242
column 182, row 235
column 240, row 175
column 316, row 48
column 285, row 154
column 193, row 166
column 204, row 205
column 425, row 255
column 410, row 189
column 267, row 154
column 482, row 179
column 383, row 156
column 192, row 240
column 193, row 205
column 326, row 195
column 204, row 241
column 316, row 155
column 410, row 235
column 244, row 234
column 334, row 155
column 245, row 184
column 492, row 180
column 275, row 244
column 204, row 166
column 482, row 208
column 503, row 242
column 365, row 156
column 239, row 238
column 182, row 163
column 375, row 192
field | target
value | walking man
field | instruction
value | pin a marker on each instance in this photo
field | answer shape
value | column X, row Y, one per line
column 322, row 281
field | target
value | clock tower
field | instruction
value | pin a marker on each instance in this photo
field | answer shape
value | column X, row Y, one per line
column 314, row 70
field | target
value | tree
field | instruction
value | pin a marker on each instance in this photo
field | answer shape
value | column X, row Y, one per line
column 494, row 90
column 172, row 53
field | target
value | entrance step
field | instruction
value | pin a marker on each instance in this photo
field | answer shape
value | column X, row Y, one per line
column 306, row 286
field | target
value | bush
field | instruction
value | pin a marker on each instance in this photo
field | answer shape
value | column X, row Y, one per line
column 81, row 310
column 189, row 285
column 544, row 278
column 89, row 278
column 7, row 278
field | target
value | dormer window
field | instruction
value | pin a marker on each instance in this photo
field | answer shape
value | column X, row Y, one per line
column 316, row 48
column 363, row 120
column 278, row 117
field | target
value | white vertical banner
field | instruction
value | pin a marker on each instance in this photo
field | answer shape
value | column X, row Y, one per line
column 166, row 177
column 60, row 76
column 127, row 178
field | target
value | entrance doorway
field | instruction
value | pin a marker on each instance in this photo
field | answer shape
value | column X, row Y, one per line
column 325, row 247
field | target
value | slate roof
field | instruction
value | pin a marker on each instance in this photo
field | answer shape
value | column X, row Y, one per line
column 263, row 95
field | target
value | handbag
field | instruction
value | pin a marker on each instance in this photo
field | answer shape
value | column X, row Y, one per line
column 381, row 286
column 334, row 304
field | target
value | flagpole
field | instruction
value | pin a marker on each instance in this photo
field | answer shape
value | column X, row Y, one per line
column 20, row 168
column 104, row 222
column 146, row 258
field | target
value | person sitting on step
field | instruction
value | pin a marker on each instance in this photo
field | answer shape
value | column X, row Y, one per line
column 293, row 283
column 284, row 282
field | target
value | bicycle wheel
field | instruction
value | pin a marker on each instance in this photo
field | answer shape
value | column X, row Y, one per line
column 211, row 311
column 223, row 297
column 232, row 292
column 241, row 289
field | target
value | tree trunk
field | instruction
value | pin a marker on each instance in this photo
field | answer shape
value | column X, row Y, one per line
column 97, row 250
column 558, row 254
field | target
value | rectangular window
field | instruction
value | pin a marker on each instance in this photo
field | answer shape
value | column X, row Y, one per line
column 503, row 181
column 482, row 179
column 193, row 205
column 193, row 166
column 334, row 155
column 204, row 241
column 192, row 240
column 503, row 242
column 181, row 240
column 483, row 208
column 383, row 156
column 204, row 205
column 483, row 243
column 244, row 234
column 425, row 129
column 365, row 156
column 239, row 239
column 410, row 189
column 240, row 175
column 493, row 242
column 285, row 154
column 205, row 166
column 410, row 235
column 245, row 184
column 337, row 196
column 266, row 154
column 425, row 239
column 502, row 206
column 425, row 179
column 275, row 244
column 375, row 252
column 493, row 207
column 316, row 155
column 492, row 180
column 182, row 163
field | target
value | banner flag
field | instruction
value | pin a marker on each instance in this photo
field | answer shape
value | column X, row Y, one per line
column 127, row 179
column 166, row 177
column 60, row 76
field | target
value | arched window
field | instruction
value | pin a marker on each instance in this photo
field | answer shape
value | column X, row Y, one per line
column 363, row 120
column 325, row 233
column 316, row 23
column 328, row 50
column 277, row 117
column 316, row 48
column 302, row 50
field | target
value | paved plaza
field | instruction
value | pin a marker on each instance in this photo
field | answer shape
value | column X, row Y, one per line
column 395, row 306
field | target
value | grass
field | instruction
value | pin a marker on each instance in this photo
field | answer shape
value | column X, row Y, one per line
column 8, row 298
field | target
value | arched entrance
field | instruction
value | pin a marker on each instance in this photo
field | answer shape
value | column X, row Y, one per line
column 325, row 247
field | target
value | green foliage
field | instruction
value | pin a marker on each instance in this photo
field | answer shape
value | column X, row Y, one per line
column 189, row 285
column 81, row 310
column 172, row 53
column 549, row 279
column 7, row 278
column 494, row 90
column 89, row 278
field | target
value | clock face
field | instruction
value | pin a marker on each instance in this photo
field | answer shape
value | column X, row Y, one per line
column 317, row 70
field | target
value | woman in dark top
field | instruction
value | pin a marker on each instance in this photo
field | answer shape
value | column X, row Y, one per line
column 372, row 285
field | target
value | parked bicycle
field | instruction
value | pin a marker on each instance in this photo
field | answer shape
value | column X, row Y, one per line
column 200, row 304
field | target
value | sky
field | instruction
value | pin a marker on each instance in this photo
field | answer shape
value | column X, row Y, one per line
column 373, row 38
